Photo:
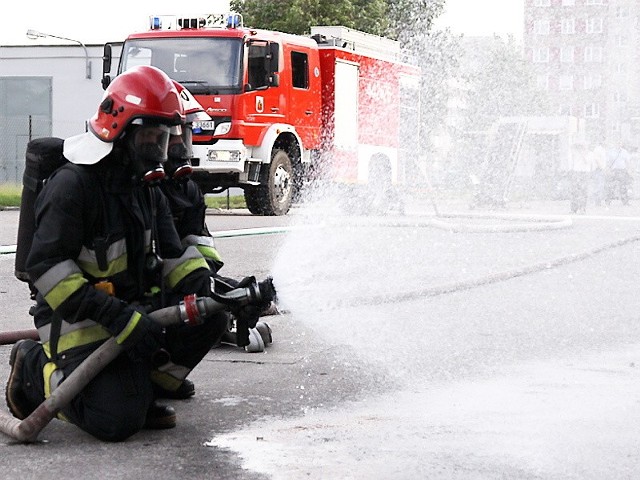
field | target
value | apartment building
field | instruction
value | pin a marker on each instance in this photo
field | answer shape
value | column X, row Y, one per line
column 587, row 59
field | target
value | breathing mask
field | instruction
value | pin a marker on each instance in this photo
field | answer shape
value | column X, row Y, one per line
column 148, row 145
column 180, row 153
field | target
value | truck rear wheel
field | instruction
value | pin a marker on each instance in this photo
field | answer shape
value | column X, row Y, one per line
column 273, row 196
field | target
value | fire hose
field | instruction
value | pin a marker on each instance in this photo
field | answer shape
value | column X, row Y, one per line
column 7, row 338
column 191, row 311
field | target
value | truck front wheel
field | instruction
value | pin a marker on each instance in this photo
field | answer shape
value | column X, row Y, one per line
column 273, row 195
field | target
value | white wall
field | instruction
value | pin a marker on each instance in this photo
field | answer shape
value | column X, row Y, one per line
column 74, row 98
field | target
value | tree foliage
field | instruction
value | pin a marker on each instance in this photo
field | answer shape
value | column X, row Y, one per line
column 298, row 16
column 438, row 55
column 411, row 19
column 495, row 82
column 503, row 85
column 396, row 19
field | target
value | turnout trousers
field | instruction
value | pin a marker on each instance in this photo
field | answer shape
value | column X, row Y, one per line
column 113, row 406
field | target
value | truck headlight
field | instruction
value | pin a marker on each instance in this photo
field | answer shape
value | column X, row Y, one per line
column 222, row 128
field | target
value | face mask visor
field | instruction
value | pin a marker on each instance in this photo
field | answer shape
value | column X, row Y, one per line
column 180, row 153
column 148, row 146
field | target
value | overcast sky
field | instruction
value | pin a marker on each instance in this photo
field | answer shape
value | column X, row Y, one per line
column 89, row 22
column 484, row 17
column 112, row 20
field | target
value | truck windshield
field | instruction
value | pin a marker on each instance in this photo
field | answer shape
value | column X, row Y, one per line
column 206, row 66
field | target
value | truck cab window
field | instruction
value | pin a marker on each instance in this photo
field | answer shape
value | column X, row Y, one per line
column 203, row 65
column 137, row 56
column 257, row 72
column 299, row 70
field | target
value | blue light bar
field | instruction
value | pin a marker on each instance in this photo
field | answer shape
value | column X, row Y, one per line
column 155, row 23
column 234, row 20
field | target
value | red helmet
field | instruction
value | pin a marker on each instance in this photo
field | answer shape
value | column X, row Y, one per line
column 192, row 108
column 142, row 92
column 180, row 150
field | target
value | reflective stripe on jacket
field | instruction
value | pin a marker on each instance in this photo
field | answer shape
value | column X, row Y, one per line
column 93, row 226
column 205, row 246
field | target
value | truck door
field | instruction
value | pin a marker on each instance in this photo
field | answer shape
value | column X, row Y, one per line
column 346, row 106
column 263, row 99
column 304, row 105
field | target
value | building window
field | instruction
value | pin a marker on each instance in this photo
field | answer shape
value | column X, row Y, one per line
column 567, row 54
column 594, row 25
column 619, row 97
column 542, row 82
column 25, row 107
column 568, row 3
column 591, row 110
column 542, row 3
column 592, row 81
column 622, row 12
column 541, row 55
column 541, row 27
column 565, row 110
column 566, row 82
column 592, row 54
column 568, row 26
column 622, row 41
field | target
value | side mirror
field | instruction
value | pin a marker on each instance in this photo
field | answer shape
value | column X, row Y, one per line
column 274, row 80
column 106, row 65
column 274, row 57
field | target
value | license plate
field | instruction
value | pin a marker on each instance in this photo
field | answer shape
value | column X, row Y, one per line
column 219, row 156
column 224, row 156
column 204, row 125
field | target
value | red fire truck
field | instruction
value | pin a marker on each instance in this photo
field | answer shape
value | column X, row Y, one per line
column 338, row 105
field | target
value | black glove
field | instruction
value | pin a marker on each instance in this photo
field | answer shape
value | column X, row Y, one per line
column 247, row 315
column 152, row 342
column 142, row 338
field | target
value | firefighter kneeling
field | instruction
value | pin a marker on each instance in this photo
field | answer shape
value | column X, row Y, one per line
column 188, row 207
column 101, row 219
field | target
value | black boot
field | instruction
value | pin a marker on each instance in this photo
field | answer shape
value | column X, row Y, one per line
column 17, row 400
column 185, row 390
column 160, row 417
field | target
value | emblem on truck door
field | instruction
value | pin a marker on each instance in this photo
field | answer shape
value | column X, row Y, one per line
column 259, row 104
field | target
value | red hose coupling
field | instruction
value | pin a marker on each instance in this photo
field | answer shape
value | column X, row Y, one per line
column 189, row 311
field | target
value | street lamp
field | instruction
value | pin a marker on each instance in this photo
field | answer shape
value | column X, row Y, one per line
column 34, row 34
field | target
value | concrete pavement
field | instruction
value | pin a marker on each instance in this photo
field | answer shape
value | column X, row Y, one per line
column 300, row 378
